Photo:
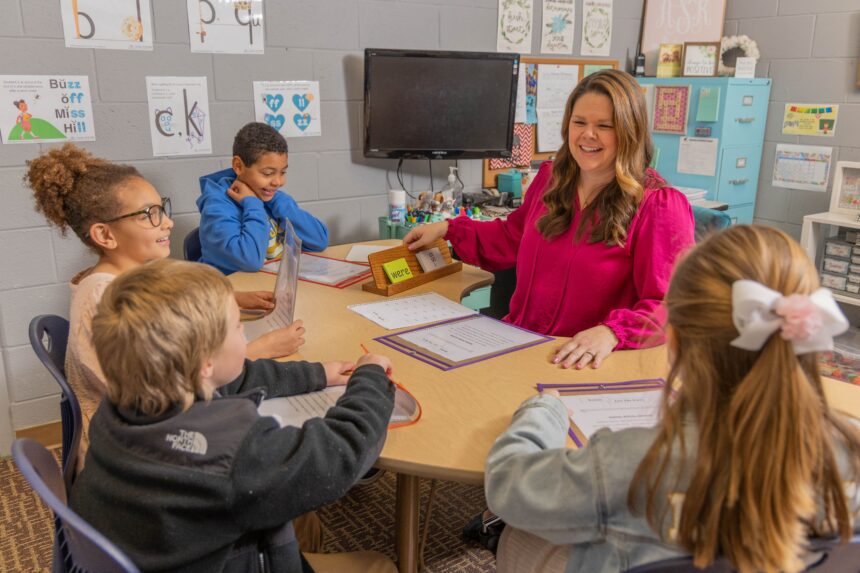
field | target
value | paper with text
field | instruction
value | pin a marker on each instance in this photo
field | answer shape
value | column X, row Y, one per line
column 460, row 341
column 329, row 271
column 411, row 310
column 359, row 253
column 298, row 409
column 614, row 410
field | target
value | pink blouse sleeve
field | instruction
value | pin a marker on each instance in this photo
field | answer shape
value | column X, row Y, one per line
column 493, row 245
column 661, row 232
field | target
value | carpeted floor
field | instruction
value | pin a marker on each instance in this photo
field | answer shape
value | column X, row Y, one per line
column 363, row 519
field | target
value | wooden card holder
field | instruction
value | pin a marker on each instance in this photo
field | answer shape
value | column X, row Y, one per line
column 380, row 284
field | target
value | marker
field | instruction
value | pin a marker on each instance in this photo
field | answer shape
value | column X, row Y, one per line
column 364, row 348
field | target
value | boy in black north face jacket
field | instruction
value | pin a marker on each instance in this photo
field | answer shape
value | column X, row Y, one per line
column 182, row 472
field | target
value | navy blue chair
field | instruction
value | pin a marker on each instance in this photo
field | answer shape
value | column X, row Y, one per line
column 709, row 221
column 191, row 246
column 89, row 549
column 49, row 335
column 834, row 558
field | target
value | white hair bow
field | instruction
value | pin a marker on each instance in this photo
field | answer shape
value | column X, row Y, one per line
column 809, row 322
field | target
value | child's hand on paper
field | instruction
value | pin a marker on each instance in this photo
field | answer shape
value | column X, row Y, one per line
column 278, row 343
column 255, row 300
column 555, row 394
column 337, row 372
column 239, row 191
column 425, row 235
column 378, row 359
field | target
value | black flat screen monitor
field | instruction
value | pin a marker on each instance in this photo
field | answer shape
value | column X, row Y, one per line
column 457, row 105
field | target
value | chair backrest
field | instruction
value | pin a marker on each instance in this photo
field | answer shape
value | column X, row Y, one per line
column 834, row 557
column 49, row 335
column 89, row 549
column 191, row 246
column 708, row 221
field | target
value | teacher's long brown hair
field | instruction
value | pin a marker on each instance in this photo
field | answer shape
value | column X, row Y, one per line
column 616, row 203
column 765, row 456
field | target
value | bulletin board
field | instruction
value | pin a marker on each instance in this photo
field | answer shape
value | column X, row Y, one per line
column 489, row 175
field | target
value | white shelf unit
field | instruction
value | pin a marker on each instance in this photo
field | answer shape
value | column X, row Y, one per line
column 812, row 238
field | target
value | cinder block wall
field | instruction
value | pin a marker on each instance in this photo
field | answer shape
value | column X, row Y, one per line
column 810, row 50
column 305, row 39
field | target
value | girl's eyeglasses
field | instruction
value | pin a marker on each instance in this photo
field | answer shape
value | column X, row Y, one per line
column 155, row 213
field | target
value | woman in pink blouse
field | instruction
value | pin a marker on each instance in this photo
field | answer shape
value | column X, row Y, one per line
column 598, row 233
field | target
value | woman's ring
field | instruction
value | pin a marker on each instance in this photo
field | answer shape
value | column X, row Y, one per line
column 589, row 353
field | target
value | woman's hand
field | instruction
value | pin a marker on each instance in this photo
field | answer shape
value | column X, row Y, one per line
column 425, row 235
column 278, row 343
column 337, row 372
column 589, row 346
column 255, row 300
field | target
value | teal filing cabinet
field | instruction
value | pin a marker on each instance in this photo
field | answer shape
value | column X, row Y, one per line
column 738, row 124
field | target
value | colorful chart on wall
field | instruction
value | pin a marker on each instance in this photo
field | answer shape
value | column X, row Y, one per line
column 179, row 115
column 216, row 26
column 114, row 25
column 810, row 119
column 671, row 106
column 37, row 109
column 804, row 167
column 293, row 108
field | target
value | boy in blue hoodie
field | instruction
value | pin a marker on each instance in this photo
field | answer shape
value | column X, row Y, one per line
column 242, row 209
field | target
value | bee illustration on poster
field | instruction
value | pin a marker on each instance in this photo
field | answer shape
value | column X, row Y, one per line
column 226, row 27
column 114, row 25
column 37, row 109
column 179, row 116
column 293, row 108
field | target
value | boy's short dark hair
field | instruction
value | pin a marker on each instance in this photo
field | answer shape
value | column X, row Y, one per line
column 255, row 139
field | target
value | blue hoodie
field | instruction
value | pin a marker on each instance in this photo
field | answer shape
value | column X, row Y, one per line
column 234, row 237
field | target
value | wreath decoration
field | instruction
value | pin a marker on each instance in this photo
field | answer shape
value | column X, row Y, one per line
column 734, row 47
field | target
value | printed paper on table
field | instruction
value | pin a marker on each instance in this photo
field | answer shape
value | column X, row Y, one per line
column 514, row 33
column 671, row 104
column 293, row 108
column 39, row 109
column 179, row 115
column 114, row 25
column 411, row 310
column 804, row 167
column 810, row 119
column 219, row 27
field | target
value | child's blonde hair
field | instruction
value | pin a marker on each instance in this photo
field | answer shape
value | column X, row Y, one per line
column 154, row 328
column 75, row 189
column 765, row 453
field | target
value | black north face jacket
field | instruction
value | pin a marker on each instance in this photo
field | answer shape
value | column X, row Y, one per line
column 214, row 488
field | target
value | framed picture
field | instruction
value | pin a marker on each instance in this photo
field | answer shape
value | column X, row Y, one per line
column 670, row 22
column 845, row 198
column 701, row 58
column 669, row 65
column 671, row 106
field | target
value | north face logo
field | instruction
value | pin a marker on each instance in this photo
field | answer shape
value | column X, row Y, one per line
column 191, row 442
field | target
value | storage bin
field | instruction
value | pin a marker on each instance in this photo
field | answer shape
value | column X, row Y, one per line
column 844, row 362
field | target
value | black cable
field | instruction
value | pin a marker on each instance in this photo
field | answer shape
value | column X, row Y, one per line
column 430, row 165
column 399, row 176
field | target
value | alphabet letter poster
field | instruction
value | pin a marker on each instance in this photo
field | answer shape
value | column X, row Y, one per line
column 220, row 27
column 293, row 108
column 35, row 109
column 113, row 25
column 179, row 116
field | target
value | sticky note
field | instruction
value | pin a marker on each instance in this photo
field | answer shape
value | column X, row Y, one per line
column 709, row 104
column 397, row 270
column 430, row 259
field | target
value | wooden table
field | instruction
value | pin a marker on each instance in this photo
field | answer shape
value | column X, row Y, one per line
column 465, row 409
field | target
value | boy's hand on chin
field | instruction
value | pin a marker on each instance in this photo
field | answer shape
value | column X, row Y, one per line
column 337, row 372
column 238, row 191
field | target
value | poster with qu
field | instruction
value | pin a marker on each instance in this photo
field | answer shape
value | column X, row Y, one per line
column 226, row 27
column 291, row 107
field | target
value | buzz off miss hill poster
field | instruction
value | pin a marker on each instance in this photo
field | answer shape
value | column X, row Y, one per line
column 36, row 109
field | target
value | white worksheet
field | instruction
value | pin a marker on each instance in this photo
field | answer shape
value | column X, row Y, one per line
column 556, row 81
column 359, row 253
column 616, row 410
column 698, row 155
column 411, row 310
column 329, row 271
column 296, row 410
column 469, row 339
